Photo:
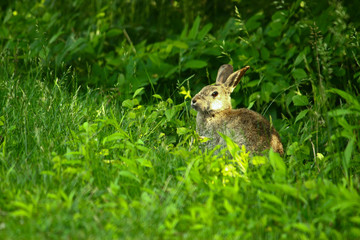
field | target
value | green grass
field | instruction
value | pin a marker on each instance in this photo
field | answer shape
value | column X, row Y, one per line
column 81, row 167
column 98, row 141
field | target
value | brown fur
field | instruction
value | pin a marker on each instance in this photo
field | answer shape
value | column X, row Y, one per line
column 244, row 126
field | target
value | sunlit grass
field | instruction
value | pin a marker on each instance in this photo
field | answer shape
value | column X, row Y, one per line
column 73, row 165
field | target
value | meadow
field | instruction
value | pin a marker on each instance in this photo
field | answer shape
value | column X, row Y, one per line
column 98, row 139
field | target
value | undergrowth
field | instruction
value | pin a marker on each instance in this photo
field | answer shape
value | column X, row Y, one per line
column 97, row 138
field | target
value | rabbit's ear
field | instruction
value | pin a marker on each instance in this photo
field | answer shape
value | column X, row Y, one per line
column 233, row 80
column 223, row 73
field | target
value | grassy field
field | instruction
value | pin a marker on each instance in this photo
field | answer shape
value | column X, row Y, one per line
column 98, row 140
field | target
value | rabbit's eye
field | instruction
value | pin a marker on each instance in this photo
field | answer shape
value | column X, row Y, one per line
column 214, row 94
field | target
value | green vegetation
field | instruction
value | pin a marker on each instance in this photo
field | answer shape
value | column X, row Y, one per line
column 98, row 141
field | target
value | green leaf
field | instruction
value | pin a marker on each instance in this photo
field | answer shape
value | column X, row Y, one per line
column 137, row 92
column 251, row 84
column 300, row 58
column 278, row 165
column 299, row 74
column 277, row 162
column 289, row 190
column 195, row 28
column 302, row 227
column 144, row 162
column 2, row 120
column 298, row 149
column 142, row 148
column 204, row 31
column 300, row 100
column 130, row 103
column 21, row 213
column 181, row 131
column 301, row 115
column 355, row 219
column 55, row 36
column 116, row 136
column 251, row 104
column 239, row 154
column 270, row 197
column 184, row 31
column 232, row 146
column 157, row 96
column 347, row 153
column 228, row 206
column 253, row 22
column 341, row 112
column 197, row 226
column 276, row 25
column 195, row 64
column 259, row 160
column 128, row 174
column 180, row 44
column 50, row 173
column 114, row 32
column 348, row 97
column 275, row 29
column 170, row 113
column 265, row 54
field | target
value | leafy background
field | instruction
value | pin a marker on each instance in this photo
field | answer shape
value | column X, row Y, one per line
column 97, row 139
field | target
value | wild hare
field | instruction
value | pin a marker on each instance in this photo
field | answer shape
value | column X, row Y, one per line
column 244, row 126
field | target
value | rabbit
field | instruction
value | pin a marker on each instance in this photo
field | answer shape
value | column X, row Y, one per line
column 243, row 126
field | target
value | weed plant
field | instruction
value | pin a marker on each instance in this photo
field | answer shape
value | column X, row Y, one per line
column 98, row 141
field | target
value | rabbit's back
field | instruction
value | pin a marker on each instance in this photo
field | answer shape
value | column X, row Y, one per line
column 244, row 126
column 258, row 132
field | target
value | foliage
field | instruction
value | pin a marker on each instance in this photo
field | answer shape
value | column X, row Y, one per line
column 97, row 139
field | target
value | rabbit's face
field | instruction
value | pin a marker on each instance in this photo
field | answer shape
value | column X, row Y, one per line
column 212, row 98
column 216, row 98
